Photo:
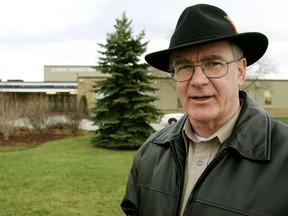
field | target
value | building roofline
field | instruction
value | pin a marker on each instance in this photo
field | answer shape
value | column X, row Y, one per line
column 39, row 87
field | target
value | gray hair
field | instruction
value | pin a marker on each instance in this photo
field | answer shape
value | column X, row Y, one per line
column 237, row 51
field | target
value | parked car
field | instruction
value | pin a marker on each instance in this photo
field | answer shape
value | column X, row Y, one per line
column 170, row 118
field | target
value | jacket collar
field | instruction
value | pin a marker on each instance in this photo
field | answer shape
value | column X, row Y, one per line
column 251, row 136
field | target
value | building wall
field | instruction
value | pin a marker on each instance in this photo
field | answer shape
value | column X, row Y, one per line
column 166, row 94
column 270, row 94
column 86, row 76
column 66, row 73
column 58, row 103
column 85, row 87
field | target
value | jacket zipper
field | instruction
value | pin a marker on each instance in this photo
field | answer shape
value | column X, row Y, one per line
column 203, row 176
column 180, row 176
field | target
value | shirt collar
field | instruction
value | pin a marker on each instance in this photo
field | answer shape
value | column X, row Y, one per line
column 222, row 134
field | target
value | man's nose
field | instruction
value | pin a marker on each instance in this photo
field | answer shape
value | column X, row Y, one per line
column 198, row 77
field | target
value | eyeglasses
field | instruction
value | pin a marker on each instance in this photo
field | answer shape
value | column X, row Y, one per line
column 211, row 68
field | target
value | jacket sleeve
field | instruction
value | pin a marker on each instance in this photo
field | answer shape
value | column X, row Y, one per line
column 129, row 203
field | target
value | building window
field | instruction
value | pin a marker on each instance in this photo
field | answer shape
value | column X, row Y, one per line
column 63, row 102
column 267, row 98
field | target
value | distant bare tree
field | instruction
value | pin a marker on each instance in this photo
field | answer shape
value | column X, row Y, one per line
column 260, row 70
column 10, row 111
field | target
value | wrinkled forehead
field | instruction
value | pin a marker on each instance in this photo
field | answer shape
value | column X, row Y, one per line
column 197, row 53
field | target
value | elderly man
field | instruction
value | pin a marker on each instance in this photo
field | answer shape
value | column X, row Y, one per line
column 226, row 156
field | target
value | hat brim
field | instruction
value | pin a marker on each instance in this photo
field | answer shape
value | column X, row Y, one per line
column 253, row 45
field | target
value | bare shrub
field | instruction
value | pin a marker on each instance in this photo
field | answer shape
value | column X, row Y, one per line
column 74, row 121
column 38, row 115
column 10, row 111
column 74, row 118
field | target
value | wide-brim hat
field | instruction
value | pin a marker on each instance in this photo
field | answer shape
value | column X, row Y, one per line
column 202, row 24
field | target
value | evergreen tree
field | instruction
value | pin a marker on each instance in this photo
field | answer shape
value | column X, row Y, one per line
column 125, row 110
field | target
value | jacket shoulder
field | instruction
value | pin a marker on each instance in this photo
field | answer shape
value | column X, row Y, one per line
column 164, row 137
column 167, row 133
column 279, row 131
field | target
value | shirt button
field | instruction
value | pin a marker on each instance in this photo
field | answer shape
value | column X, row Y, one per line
column 199, row 163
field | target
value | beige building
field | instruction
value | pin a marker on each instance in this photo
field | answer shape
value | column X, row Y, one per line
column 270, row 94
column 85, row 76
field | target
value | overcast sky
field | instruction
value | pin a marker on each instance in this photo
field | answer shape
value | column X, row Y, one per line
column 34, row 33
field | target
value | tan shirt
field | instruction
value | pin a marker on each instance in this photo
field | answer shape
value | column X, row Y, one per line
column 200, row 152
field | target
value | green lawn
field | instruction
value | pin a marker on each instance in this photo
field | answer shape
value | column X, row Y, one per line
column 284, row 119
column 64, row 177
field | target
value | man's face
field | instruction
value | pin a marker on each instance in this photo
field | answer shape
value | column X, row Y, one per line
column 210, row 101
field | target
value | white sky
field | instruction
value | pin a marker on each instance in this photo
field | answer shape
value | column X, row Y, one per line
column 34, row 33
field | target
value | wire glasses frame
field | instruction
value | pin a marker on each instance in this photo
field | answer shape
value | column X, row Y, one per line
column 213, row 69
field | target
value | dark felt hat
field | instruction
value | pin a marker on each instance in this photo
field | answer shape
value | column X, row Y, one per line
column 201, row 24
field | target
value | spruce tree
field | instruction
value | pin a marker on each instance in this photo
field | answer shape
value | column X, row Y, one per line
column 125, row 110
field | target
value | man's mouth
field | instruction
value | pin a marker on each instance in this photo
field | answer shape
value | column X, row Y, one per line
column 201, row 98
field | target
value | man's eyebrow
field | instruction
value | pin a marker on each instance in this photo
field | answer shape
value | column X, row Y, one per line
column 211, row 58
column 182, row 61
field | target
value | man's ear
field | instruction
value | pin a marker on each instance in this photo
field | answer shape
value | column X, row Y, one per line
column 242, row 66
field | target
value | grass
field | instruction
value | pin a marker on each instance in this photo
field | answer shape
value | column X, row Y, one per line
column 65, row 177
column 284, row 119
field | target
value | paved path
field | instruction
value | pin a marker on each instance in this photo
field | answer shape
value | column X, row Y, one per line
column 88, row 125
